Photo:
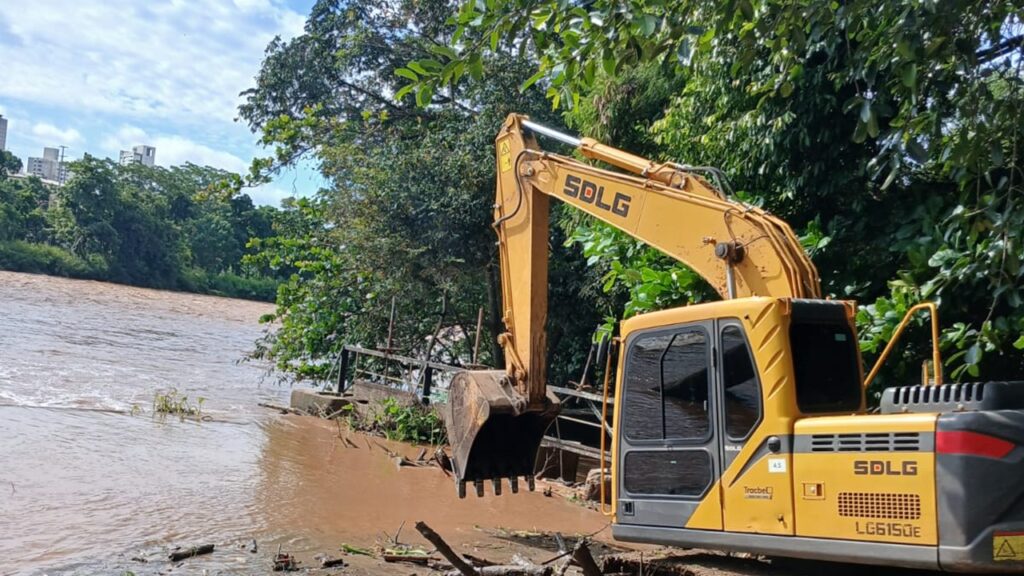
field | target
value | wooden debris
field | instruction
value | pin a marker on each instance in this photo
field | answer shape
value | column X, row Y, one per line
column 332, row 563
column 581, row 555
column 285, row 563
column 443, row 461
column 279, row 408
column 421, row 559
column 514, row 570
column 461, row 566
column 178, row 555
column 478, row 562
column 518, row 560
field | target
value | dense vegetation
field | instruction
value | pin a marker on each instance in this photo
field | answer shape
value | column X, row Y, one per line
column 888, row 135
column 180, row 228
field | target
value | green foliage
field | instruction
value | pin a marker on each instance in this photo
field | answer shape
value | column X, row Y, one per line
column 407, row 214
column 887, row 133
column 9, row 164
column 19, row 256
column 409, row 422
column 171, row 228
column 647, row 278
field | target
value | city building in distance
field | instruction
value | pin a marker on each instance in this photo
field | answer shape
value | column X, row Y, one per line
column 141, row 154
column 3, row 132
column 49, row 167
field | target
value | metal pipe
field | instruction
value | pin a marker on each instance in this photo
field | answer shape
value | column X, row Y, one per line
column 391, row 325
column 555, row 134
column 936, row 356
column 730, row 280
column 479, row 326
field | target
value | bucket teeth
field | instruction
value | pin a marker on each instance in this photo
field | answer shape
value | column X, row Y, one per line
column 478, row 485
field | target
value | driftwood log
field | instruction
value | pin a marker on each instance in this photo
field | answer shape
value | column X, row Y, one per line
column 178, row 555
column 514, row 570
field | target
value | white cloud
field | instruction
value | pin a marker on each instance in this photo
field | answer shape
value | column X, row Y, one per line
column 180, row 61
column 177, row 150
column 51, row 135
column 268, row 194
column 125, row 137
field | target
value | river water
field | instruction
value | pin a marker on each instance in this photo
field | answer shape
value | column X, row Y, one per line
column 90, row 478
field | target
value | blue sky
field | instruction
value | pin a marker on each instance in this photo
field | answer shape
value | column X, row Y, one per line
column 102, row 76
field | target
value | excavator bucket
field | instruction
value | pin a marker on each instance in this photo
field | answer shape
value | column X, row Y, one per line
column 493, row 432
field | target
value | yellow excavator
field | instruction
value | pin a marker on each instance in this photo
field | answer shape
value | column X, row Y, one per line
column 739, row 424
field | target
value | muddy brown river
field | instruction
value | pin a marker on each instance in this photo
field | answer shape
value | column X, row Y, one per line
column 91, row 482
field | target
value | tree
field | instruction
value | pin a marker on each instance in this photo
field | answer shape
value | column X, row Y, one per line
column 185, row 227
column 887, row 133
column 408, row 213
column 9, row 164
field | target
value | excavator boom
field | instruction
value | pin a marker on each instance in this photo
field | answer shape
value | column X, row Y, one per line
column 496, row 419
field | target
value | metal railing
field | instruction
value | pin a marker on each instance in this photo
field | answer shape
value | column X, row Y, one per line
column 430, row 381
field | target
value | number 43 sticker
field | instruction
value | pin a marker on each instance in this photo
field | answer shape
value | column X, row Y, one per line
column 777, row 465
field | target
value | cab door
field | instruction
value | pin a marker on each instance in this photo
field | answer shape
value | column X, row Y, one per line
column 670, row 446
column 756, row 481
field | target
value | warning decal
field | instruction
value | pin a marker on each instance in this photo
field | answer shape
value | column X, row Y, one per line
column 505, row 156
column 1008, row 546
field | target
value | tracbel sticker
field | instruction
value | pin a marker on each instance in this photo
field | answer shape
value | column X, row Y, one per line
column 1007, row 546
column 777, row 465
column 758, row 492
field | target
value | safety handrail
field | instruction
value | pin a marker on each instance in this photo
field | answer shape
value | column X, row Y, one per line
column 936, row 356
column 604, row 433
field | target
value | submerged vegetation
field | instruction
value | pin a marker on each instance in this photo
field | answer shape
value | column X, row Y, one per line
column 174, row 403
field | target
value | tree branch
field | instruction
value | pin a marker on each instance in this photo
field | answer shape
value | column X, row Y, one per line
column 1001, row 49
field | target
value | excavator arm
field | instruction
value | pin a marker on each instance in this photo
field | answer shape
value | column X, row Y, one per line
column 497, row 419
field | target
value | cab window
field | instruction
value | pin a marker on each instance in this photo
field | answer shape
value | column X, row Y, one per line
column 742, row 392
column 826, row 367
